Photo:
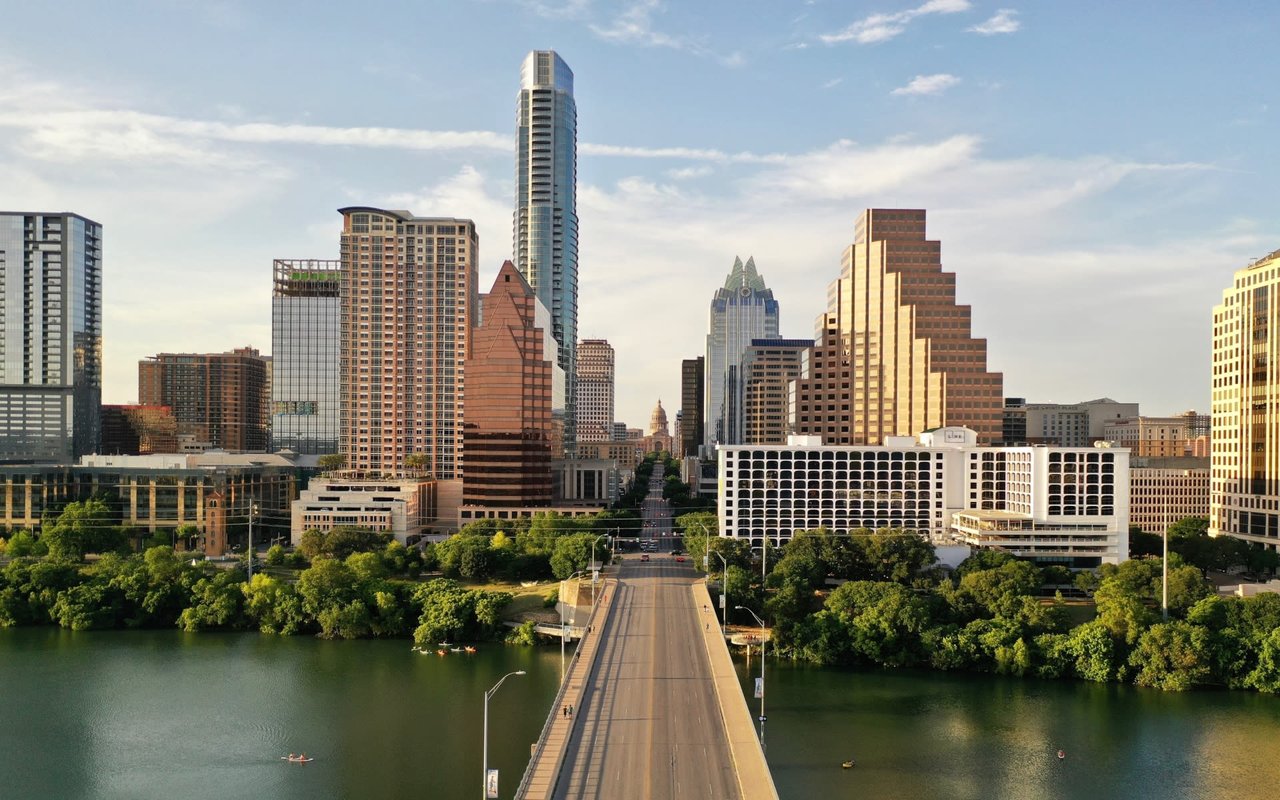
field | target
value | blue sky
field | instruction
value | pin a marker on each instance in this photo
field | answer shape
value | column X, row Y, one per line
column 1095, row 171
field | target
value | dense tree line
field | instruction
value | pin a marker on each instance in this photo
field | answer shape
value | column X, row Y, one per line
column 1190, row 539
column 347, row 583
column 892, row 608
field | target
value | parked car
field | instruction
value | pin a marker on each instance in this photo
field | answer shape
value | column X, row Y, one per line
column 644, row 556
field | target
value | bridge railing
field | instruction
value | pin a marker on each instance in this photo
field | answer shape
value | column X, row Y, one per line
column 559, row 703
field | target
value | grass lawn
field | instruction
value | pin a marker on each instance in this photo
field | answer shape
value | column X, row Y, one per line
column 527, row 602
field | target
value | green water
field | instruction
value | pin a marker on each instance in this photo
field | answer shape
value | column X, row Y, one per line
column 164, row 714
column 161, row 714
column 939, row 735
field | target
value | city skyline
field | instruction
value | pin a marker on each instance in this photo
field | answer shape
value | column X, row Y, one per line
column 1059, row 194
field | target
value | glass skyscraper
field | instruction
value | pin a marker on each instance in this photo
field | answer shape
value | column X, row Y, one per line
column 50, row 336
column 742, row 310
column 546, row 215
column 305, row 340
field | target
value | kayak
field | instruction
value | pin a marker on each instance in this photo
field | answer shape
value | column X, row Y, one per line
column 297, row 760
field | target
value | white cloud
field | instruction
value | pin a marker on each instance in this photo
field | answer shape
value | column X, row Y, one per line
column 928, row 84
column 569, row 9
column 883, row 27
column 1003, row 21
column 833, row 83
column 634, row 25
column 686, row 173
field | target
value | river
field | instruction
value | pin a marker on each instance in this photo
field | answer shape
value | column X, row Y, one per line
column 163, row 714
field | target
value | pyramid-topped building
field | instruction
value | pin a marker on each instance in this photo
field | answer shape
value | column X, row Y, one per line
column 744, row 309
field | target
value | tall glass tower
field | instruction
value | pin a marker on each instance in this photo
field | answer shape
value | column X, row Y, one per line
column 546, row 211
column 50, row 337
column 305, row 337
column 744, row 309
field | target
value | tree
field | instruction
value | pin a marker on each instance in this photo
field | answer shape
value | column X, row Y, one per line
column 83, row 527
column 1093, row 652
column 21, row 544
column 1172, row 656
column 999, row 590
column 1143, row 544
column 331, row 462
column 898, row 556
column 885, row 621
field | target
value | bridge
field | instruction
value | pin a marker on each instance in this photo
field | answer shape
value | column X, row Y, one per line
column 657, row 708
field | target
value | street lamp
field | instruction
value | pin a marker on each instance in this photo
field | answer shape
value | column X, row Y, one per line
column 253, row 512
column 562, row 622
column 761, row 689
column 484, row 786
column 724, row 592
column 594, row 570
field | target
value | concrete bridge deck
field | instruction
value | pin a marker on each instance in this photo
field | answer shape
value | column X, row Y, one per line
column 658, row 711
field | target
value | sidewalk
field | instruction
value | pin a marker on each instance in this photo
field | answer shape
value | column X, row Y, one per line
column 540, row 777
column 754, row 779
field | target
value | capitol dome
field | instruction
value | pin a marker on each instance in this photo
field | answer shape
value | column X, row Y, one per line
column 658, row 421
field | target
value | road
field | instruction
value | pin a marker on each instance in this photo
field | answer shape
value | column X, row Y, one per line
column 656, row 514
column 649, row 725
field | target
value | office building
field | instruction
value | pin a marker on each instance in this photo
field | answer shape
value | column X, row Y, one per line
column 50, row 336
column 1164, row 490
column 595, row 390
column 218, row 398
column 895, row 352
column 1055, row 505
column 138, row 430
column 692, row 418
column 1014, row 429
column 305, row 340
column 768, row 368
column 1153, row 437
column 741, row 310
column 508, row 414
column 401, row 507
column 545, row 239
column 408, row 305
column 1074, row 424
column 1245, row 482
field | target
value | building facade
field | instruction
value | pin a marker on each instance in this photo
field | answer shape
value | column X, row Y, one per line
column 408, row 303
column 1055, row 505
column 545, row 238
column 1245, row 441
column 402, row 508
column 1074, row 424
column 741, row 310
column 692, row 396
column 218, row 398
column 1151, row 437
column 508, row 415
column 595, row 390
column 138, row 430
column 159, row 493
column 305, row 340
column 50, row 337
column 768, row 368
column 1164, row 490
column 895, row 352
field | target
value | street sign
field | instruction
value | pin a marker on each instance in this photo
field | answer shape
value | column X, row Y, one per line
column 721, row 602
column 566, row 633
column 595, row 575
column 491, row 784
column 759, row 687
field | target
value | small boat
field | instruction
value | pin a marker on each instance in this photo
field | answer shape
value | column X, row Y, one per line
column 442, row 652
column 846, row 764
column 1062, row 754
column 297, row 759
column 469, row 649
column 445, row 644
column 455, row 649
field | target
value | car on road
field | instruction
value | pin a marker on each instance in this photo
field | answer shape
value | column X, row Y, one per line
column 644, row 556
column 679, row 558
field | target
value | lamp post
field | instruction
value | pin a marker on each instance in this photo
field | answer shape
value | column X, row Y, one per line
column 253, row 512
column 757, row 616
column 484, row 785
column 594, row 570
column 1164, row 567
column 562, row 624
column 724, row 593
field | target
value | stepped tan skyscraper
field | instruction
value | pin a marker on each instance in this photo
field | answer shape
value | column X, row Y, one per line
column 895, row 353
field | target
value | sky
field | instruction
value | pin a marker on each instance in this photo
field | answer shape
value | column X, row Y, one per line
column 1095, row 171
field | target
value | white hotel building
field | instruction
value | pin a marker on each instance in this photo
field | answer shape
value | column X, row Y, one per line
column 1067, row 505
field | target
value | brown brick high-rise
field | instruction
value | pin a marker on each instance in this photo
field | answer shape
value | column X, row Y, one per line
column 507, row 435
column 895, row 353
column 219, row 398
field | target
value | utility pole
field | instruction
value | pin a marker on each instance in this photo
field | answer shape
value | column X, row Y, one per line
column 253, row 511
